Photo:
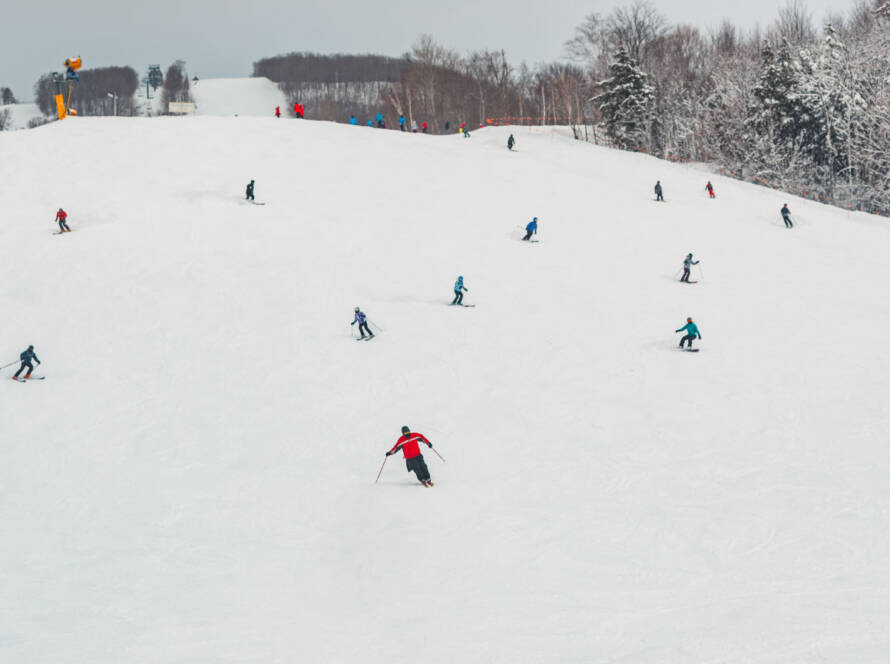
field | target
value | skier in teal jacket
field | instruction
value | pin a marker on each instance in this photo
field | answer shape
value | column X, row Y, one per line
column 459, row 289
column 692, row 332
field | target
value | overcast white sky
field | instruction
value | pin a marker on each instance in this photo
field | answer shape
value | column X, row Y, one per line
column 221, row 38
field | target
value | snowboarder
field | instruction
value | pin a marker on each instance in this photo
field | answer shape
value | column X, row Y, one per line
column 249, row 195
column 424, row 127
column 786, row 216
column 710, row 189
column 511, row 142
column 658, row 191
column 380, row 123
column 459, row 291
column 278, row 111
column 692, row 332
column 413, row 458
column 531, row 229
column 352, row 120
column 687, row 267
column 401, row 123
column 362, row 321
column 61, row 216
column 26, row 357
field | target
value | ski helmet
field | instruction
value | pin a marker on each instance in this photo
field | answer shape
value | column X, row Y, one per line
column 688, row 320
column 535, row 219
column 31, row 347
column 406, row 430
column 690, row 254
column 356, row 308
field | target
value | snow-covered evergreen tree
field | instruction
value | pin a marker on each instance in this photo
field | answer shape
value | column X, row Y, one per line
column 626, row 101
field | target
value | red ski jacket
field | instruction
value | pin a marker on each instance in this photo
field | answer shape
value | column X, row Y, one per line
column 409, row 445
column 61, row 215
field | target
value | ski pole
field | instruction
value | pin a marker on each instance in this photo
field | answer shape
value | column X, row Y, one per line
column 381, row 469
column 437, row 454
column 701, row 273
column 376, row 325
column 9, row 365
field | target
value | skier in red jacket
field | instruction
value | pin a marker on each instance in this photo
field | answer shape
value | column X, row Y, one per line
column 413, row 458
column 61, row 216
column 278, row 111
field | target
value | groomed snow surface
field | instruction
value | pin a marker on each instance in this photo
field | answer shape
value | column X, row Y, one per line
column 194, row 481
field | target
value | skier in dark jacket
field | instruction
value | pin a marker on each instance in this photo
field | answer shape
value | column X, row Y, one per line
column 362, row 321
column 658, row 191
column 413, row 458
column 786, row 216
column 692, row 332
column 249, row 196
column 710, row 189
column 459, row 289
column 687, row 267
column 26, row 357
column 531, row 229
column 511, row 142
column 61, row 216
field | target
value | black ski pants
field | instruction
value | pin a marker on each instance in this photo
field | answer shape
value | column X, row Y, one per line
column 25, row 364
column 418, row 466
column 787, row 221
column 458, row 297
column 685, row 276
column 63, row 226
column 658, row 196
column 528, row 236
column 689, row 338
column 363, row 327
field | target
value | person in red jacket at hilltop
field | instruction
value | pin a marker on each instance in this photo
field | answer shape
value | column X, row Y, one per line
column 710, row 189
column 424, row 127
column 277, row 111
column 413, row 458
column 298, row 110
column 61, row 216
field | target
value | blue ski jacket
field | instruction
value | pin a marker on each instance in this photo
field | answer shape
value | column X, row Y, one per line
column 353, row 121
column 401, row 120
column 532, row 226
column 379, row 117
column 459, row 285
column 359, row 318
column 690, row 328
column 28, row 355
column 688, row 262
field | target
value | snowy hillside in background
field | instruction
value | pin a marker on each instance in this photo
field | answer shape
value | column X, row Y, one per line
column 194, row 481
column 21, row 114
column 237, row 96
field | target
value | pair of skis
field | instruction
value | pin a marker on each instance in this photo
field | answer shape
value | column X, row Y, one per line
column 25, row 380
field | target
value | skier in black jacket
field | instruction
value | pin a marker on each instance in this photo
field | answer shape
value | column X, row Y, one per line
column 511, row 142
column 786, row 216
column 658, row 191
column 249, row 196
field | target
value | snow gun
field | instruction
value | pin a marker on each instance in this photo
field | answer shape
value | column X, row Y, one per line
column 63, row 103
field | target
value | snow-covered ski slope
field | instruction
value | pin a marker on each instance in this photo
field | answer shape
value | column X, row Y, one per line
column 194, row 481
column 237, row 96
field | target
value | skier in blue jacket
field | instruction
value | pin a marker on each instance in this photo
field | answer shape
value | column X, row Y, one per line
column 362, row 321
column 26, row 357
column 352, row 120
column 402, row 122
column 459, row 291
column 531, row 229
column 380, row 123
column 692, row 332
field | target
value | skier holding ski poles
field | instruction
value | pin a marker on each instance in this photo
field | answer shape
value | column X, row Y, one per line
column 459, row 289
column 362, row 321
column 659, row 192
column 692, row 332
column 249, row 195
column 413, row 458
column 26, row 357
column 710, row 188
column 687, row 267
